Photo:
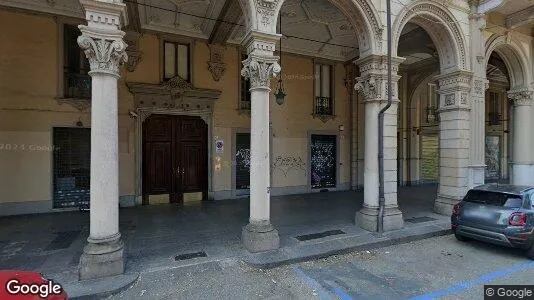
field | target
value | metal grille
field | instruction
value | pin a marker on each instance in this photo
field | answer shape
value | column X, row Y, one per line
column 76, row 66
column 323, row 161
column 72, row 157
column 242, row 159
column 323, row 106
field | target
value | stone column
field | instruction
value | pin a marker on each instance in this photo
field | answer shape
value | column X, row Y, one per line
column 102, row 41
column 372, row 84
column 477, row 142
column 522, row 172
column 259, row 235
column 454, row 135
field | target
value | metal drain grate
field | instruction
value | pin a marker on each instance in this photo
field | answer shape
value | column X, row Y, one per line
column 319, row 235
column 190, row 255
column 420, row 219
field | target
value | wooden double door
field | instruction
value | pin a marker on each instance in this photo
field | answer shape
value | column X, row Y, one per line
column 174, row 158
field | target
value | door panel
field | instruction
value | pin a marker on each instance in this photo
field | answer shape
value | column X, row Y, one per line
column 323, row 161
column 159, row 171
column 192, row 162
column 175, row 156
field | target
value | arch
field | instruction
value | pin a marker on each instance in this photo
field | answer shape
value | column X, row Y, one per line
column 514, row 58
column 443, row 29
column 262, row 15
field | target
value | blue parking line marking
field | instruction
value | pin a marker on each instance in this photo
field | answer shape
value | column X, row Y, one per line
column 342, row 294
column 464, row 285
column 323, row 294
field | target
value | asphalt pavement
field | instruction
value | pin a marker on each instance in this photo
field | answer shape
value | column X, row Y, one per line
column 435, row 268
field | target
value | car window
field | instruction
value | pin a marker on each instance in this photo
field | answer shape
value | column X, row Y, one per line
column 493, row 198
column 532, row 199
column 513, row 202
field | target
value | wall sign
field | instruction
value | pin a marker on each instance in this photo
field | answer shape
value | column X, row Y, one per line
column 219, row 146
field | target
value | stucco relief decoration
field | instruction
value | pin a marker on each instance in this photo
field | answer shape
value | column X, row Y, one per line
column 177, row 86
column 449, row 100
column 463, row 99
column 265, row 9
column 134, row 55
column 216, row 64
column 105, row 56
column 260, row 70
column 521, row 97
column 479, row 87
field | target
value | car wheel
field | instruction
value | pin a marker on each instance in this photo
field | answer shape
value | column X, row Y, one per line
column 530, row 252
column 461, row 238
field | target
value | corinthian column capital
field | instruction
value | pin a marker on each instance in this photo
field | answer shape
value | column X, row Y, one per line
column 260, row 70
column 260, row 64
column 105, row 53
column 521, row 97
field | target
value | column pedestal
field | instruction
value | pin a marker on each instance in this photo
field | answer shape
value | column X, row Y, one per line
column 260, row 236
column 102, row 259
column 367, row 218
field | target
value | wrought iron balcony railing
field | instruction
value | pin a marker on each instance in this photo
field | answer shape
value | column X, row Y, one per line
column 324, row 106
column 77, row 85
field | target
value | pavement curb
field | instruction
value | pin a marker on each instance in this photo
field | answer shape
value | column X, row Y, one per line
column 252, row 260
column 99, row 288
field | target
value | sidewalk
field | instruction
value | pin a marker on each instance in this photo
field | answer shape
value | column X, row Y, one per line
column 168, row 236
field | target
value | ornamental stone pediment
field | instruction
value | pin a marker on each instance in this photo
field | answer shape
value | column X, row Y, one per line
column 175, row 93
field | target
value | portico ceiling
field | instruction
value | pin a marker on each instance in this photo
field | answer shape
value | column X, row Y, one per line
column 310, row 27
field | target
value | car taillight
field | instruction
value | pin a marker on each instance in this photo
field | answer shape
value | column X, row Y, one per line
column 517, row 219
column 456, row 209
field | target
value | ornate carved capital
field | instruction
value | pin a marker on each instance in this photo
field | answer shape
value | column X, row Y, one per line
column 105, row 50
column 455, row 81
column 260, row 70
column 368, row 87
column 216, row 64
column 521, row 97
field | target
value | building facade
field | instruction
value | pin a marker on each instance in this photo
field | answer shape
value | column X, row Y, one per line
column 173, row 101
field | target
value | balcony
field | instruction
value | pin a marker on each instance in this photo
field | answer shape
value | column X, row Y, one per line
column 77, row 85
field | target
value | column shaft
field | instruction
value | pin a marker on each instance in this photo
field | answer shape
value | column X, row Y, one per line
column 370, row 175
column 259, row 156
column 104, row 159
column 521, row 166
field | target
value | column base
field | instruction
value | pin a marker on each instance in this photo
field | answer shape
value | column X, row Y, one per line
column 102, row 259
column 367, row 218
column 443, row 205
column 259, row 237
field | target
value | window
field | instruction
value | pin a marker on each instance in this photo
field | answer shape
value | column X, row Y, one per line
column 324, row 100
column 76, row 66
column 244, row 87
column 176, row 60
column 494, row 112
column 72, row 160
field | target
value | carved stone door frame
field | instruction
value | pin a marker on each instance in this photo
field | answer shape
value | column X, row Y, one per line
column 143, row 113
